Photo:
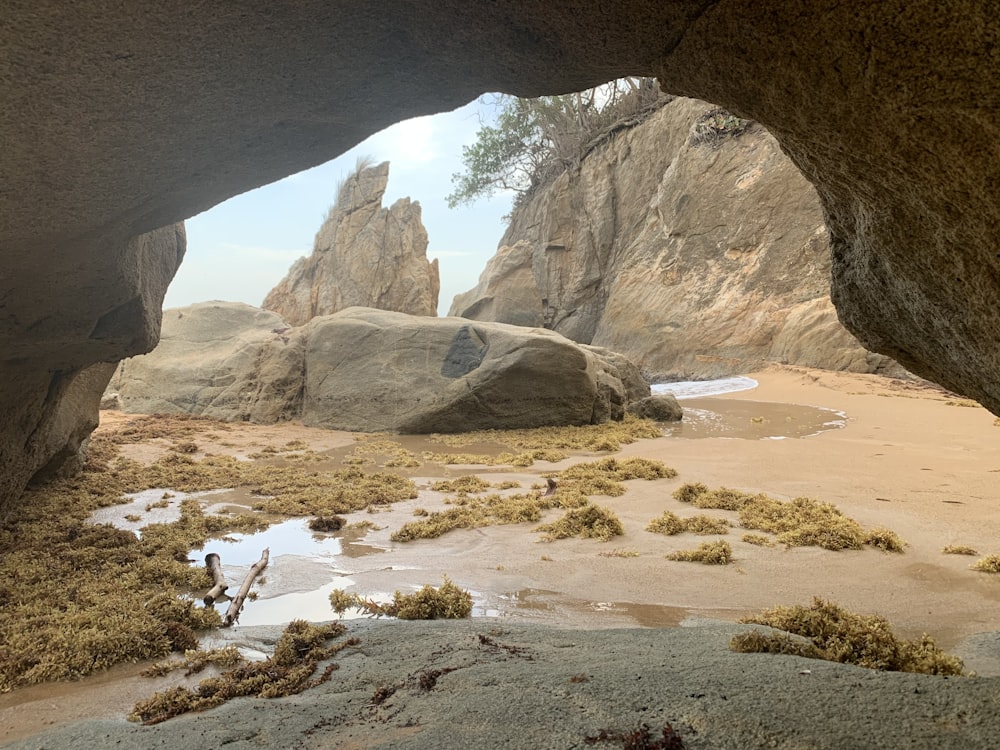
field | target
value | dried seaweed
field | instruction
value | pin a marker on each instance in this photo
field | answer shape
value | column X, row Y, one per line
column 297, row 654
column 447, row 602
column 707, row 553
column 846, row 637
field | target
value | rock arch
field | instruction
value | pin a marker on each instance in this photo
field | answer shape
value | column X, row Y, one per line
column 120, row 121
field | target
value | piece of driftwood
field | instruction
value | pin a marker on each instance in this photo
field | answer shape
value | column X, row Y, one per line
column 214, row 565
column 233, row 613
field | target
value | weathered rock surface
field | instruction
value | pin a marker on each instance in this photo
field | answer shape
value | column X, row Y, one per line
column 368, row 369
column 51, row 387
column 696, row 257
column 570, row 684
column 364, row 256
column 890, row 109
column 220, row 359
column 373, row 370
column 661, row 407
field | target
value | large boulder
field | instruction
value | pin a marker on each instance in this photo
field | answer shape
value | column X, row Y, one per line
column 125, row 118
column 373, row 370
column 660, row 407
column 364, row 255
column 218, row 359
column 687, row 247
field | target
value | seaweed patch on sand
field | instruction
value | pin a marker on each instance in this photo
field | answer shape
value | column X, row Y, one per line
column 707, row 553
column 574, row 485
column 447, row 602
column 289, row 670
column 545, row 443
column 802, row 522
column 77, row 598
column 845, row 637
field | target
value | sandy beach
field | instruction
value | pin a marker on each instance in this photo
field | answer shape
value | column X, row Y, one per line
column 892, row 453
column 907, row 458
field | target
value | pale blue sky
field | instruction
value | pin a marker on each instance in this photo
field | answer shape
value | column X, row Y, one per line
column 240, row 249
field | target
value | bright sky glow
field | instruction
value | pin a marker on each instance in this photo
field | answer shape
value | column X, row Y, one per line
column 238, row 250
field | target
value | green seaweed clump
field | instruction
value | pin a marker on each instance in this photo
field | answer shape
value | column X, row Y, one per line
column 849, row 638
column 802, row 522
column 708, row 553
column 327, row 523
column 605, row 436
column 588, row 522
column 440, row 522
column 756, row 642
column 757, row 539
column 368, row 446
column 447, row 602
column 195, row 660
column 605, row 476
column 959, row 549
column 705, row 525
column 723, row 498
column 297, row 654
column 884, row 539
column 988, row 564
column 467, row 483
column 572, row 488
column 668, row 524
column 688, row 493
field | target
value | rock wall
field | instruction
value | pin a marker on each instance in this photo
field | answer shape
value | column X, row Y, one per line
column 364, row 255
column 695, row 253
column 52, row 382
column 892, row 111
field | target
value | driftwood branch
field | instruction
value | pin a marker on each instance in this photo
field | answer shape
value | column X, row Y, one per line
column 233, row 613
column 214, row 565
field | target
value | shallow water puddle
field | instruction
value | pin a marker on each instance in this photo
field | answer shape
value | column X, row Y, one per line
column 752, row 420
column 552, row 607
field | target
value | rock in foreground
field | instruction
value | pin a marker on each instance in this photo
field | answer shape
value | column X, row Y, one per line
column 373, row 370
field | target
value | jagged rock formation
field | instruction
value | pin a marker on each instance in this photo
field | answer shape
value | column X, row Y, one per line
column 694, row 252
column 890, row 109
column 373, row 370
column 364, row 255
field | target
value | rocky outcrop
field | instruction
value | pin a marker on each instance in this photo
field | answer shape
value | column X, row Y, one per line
column 889, row 109
column 661, row 407
column 221, row 359
column 697, row 252
column 368, row 369
column 364, row 255
column 52, row 381
column 373, row 370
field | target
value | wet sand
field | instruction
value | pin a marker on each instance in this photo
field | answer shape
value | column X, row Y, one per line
column 903, row 458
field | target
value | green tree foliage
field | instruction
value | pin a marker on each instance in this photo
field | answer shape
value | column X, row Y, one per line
column 534, row 140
